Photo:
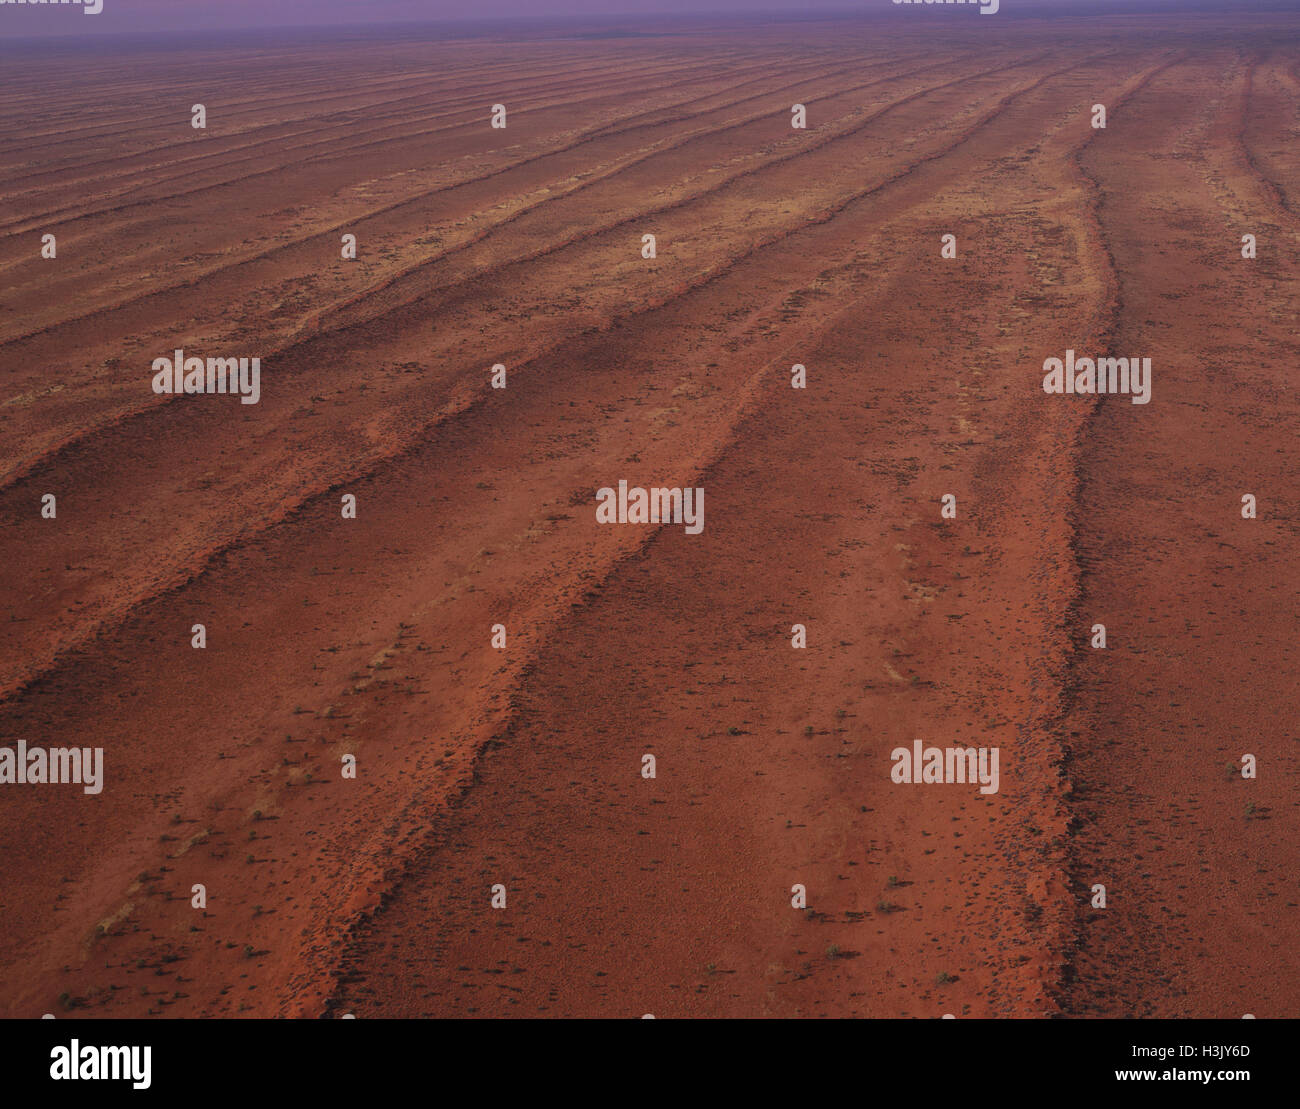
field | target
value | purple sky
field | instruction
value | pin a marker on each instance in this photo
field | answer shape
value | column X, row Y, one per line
column 171, row 15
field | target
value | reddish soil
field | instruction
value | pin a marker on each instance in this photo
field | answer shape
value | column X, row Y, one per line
column 476, row 507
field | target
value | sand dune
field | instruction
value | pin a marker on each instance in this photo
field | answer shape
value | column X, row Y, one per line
column 521, row 766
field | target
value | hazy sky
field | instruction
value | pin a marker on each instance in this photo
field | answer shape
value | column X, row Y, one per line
column 168, row 15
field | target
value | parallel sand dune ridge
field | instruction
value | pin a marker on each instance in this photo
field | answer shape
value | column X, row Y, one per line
column 521, row 767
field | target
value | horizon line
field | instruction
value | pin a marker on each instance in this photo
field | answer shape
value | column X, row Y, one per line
column 1042, row 9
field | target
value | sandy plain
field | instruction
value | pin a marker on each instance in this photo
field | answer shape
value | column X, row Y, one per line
column 521, row 766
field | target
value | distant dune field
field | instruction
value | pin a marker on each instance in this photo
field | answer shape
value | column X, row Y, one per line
column 521, row 766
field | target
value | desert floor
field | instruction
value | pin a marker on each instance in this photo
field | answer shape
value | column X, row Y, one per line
column 522, row 766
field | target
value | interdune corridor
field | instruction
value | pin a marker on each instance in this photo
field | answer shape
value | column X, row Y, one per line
column 479, row 766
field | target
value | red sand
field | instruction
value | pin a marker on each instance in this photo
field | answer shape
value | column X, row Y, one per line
column 476, row 507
